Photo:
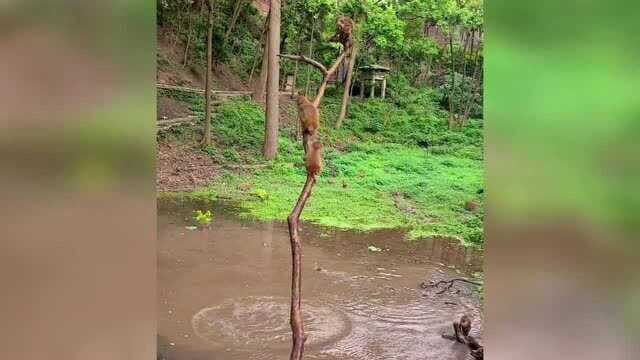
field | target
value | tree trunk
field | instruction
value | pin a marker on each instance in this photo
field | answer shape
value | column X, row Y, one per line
column 472, row 95
column 453, row 80
column 206, row 138
column 186, row 48
column 234, row 18
column 264, row 41
column 295, row 71
column 273, row 108
column 261, row 85
column 306, row 88
column 347, row 87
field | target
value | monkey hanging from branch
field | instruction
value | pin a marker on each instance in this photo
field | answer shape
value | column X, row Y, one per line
column 344, row 36
column 344, row 32
column 308, row 115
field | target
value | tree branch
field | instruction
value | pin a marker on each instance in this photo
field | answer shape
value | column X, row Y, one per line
column 326, row 73
column 325, row 80
column 303, row 58
column 293, row 220
column 449, row 284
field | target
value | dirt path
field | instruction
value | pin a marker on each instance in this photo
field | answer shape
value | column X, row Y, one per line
column 182, row 167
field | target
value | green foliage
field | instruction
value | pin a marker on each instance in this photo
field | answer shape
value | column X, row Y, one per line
column 261, row 194
column 203, row 218
column 383, row 28
column 465, row 93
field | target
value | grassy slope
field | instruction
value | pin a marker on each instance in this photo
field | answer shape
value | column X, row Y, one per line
column 391, row 165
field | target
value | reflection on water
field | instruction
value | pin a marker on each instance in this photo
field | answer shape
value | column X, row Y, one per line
column 224, row 291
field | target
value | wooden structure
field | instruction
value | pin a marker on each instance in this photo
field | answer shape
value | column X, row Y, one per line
column 371, row 74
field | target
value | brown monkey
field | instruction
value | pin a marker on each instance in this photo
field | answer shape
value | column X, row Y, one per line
column 309, row 115
column 344, row 30
column 314, row 159
column 462, row 328
column 461, row 331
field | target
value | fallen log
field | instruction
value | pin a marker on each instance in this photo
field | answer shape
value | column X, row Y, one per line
column 169, row 123
column 219, row 93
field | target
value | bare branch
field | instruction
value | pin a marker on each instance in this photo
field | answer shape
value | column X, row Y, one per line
column 303, row 58
column 449, row 284
column 293, row 220
column 325, row 81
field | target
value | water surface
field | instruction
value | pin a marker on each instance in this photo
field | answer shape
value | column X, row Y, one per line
column 223, row 292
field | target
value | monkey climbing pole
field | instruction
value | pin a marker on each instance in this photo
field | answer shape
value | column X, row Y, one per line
column 297, row 327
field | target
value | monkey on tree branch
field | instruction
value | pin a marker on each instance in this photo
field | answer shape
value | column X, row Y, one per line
column 309, row 117
column 344, row 33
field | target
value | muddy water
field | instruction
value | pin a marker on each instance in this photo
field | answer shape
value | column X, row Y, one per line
column 223, row 292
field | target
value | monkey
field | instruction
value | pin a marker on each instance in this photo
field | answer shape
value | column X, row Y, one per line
column 461, row 328
column 308, row 115
column 344, row 30
column 461, row 331
column 313, row 159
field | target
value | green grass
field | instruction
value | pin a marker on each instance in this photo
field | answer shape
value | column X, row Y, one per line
column 391, row 166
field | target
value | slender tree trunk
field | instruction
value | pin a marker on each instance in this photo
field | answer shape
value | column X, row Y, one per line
column 234, row 18
column 263, row 44
column 464, row 54
column 295, row 71
column 472, row 96
column 273, row 108
column 453, row 80
column 186, row 48
column 177, row 33
column 253, row 66
column 427, row 77
column 206, row 138
column 306, row 88
column 347, row 87
column 261, row 85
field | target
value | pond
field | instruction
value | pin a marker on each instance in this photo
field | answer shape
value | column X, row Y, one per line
column 223, row 291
